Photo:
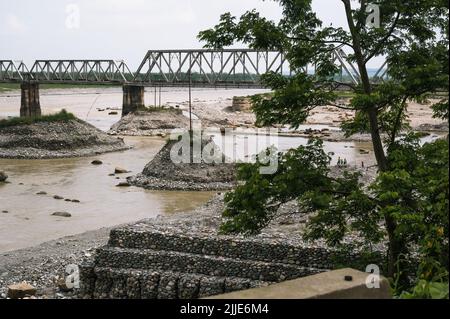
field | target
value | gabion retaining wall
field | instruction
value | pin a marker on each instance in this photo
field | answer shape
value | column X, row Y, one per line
column 185, row 258
column 258, row 250
column 109, row 283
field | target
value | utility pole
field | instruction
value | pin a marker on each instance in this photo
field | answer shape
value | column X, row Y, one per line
column 160, row 104
column 190, row 96
column 191, row 132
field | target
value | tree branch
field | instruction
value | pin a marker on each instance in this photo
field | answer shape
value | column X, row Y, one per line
column 351, row 86
column 382, row 41
column 342, row 107
column 363, row 8
column 321, row 41
column 397, row 123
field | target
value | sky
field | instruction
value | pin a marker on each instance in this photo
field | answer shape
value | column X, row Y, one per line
column 121, row 29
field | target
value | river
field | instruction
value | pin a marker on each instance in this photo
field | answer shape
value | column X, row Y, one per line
column 28, row 220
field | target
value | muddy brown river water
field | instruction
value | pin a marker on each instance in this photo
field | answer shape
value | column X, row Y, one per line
column 27, row 220
column 102, row 204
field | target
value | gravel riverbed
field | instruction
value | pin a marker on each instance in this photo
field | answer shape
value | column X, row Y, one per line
column 43, row 266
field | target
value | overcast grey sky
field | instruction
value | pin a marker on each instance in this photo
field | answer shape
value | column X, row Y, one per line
column 120, row 29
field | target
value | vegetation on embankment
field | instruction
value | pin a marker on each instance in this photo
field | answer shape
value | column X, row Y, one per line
column 62, row 116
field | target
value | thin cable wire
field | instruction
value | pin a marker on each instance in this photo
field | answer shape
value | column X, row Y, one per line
column 89, row 112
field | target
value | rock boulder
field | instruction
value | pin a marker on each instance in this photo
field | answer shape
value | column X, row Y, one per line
column 3, row 176
column 21, row 290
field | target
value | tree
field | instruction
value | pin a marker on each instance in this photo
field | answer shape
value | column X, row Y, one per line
column 413, row 38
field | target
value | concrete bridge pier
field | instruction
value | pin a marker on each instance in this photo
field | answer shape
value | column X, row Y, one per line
column 133, row 98
column 29, row 104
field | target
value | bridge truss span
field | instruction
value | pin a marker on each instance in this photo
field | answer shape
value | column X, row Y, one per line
column 81, row 71
column 13, row 71
column 210, row 68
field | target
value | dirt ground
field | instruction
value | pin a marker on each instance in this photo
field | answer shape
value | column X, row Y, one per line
column 418, row 114
column 219, row 113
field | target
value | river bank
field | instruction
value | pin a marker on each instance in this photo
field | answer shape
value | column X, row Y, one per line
column 101, row 107
column 44, row 265
column 28, row 220
column 28, row 200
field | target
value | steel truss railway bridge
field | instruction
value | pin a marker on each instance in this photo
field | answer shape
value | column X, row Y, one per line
column 228, row 68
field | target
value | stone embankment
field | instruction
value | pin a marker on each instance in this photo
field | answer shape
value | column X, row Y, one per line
column 241, row 104
column 73, row 138
column 151, row 122
column 163, row 172
column 184, row 257
column 150, row 264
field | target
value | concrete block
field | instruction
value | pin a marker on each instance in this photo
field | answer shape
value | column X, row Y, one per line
column 328, row 285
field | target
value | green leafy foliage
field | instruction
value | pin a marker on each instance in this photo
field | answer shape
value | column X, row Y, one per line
column 428, row 290
column 441, row 109
column 413, row 192
column 251, row 206
column 407, row 205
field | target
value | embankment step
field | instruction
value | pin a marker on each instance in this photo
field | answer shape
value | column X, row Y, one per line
column 107, row 283
column 128, row 258
column 225, row 246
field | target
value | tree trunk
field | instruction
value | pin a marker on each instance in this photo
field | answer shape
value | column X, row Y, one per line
column 396, row 248
column 395, row 245
column 371, row 112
